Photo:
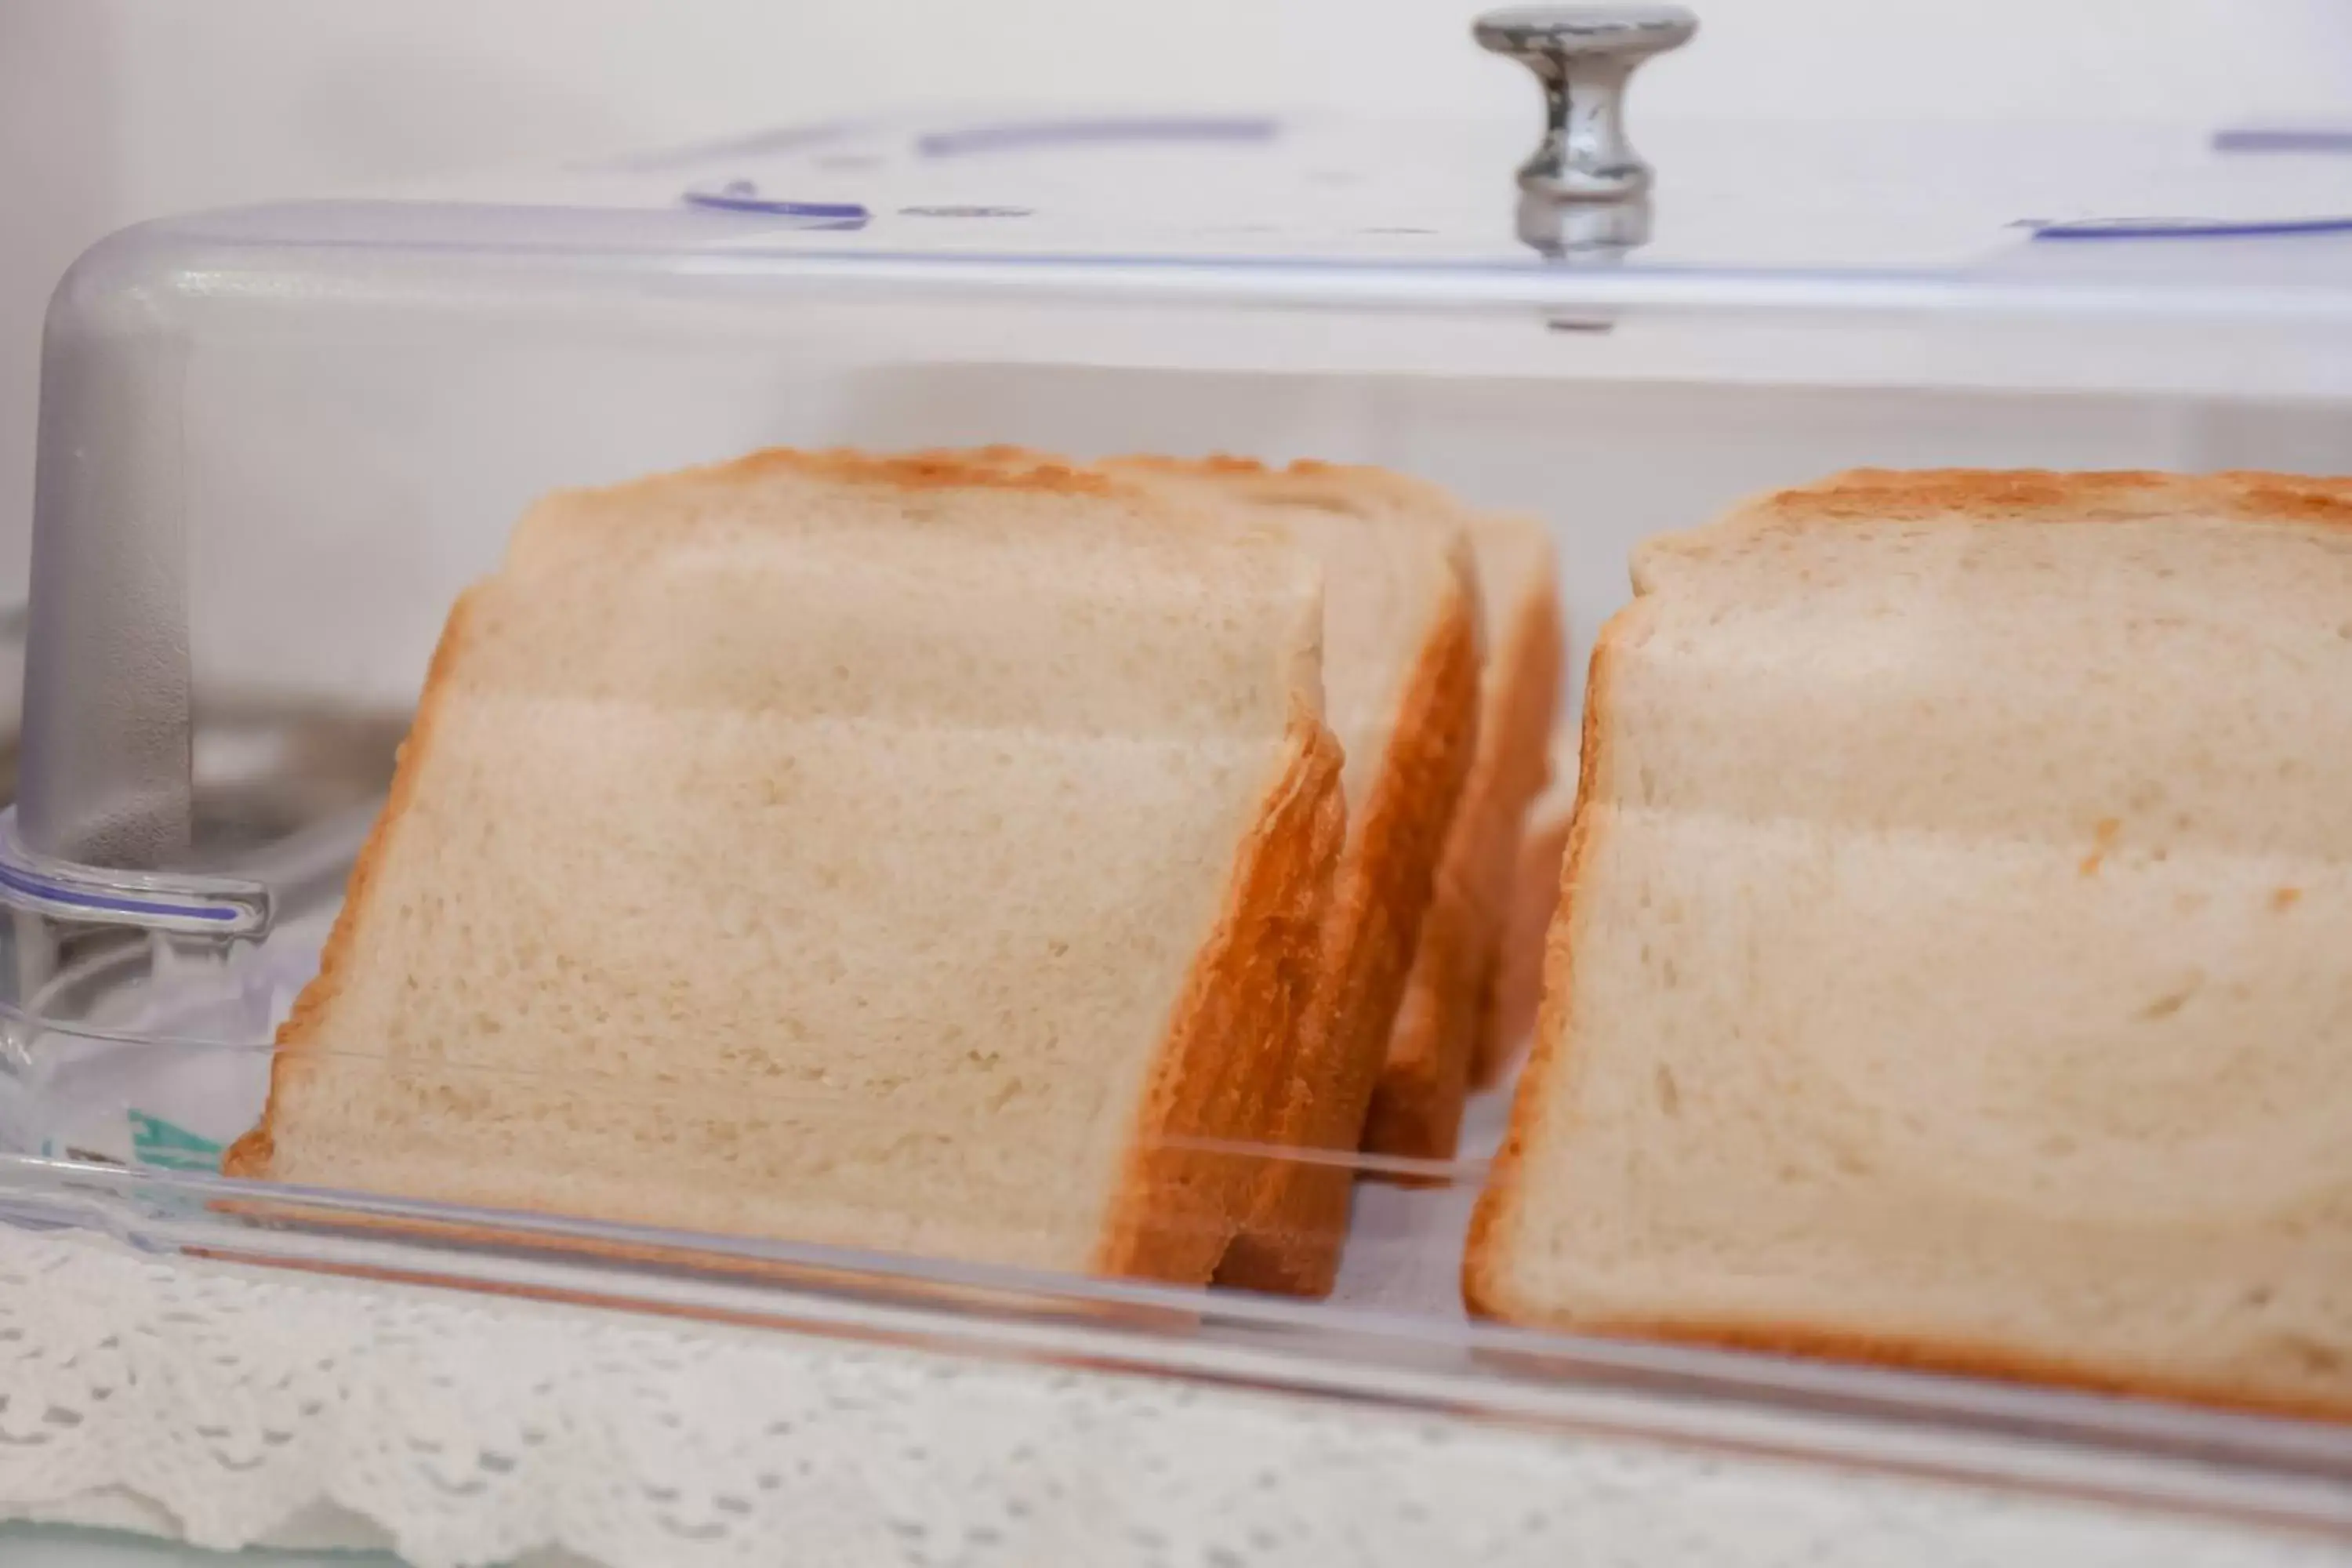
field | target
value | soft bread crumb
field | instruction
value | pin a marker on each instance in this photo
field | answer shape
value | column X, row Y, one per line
column 764, row 861
column 1932, row 837
column 1510, row 1013
column 1439, row 1051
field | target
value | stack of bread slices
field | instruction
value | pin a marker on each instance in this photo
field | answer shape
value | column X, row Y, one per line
column 980, row 856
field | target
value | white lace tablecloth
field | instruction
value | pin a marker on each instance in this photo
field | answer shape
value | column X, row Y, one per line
column 229, row 1405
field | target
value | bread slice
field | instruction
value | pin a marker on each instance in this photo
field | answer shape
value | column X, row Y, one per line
column 1951, row 969
column 1509, row 1014
column 763, row 861
column 1434, row 1054
column 1401, row 672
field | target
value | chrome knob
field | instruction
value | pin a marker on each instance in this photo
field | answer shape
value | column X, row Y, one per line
column 1584, row 55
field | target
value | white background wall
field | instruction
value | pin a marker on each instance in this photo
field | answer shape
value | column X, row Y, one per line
column 111, row 110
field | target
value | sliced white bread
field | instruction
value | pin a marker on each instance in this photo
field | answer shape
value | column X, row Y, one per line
column 763, row 860
column 1400, row 675
column 1951, row 965
column 1508, row 1017
column 1434, row 1054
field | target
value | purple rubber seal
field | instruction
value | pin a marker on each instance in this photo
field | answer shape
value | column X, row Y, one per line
column 745, row 196
column 2188, row 229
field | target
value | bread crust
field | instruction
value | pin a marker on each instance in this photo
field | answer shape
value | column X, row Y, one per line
column 1970, row 497
column 986, row 468
column 1517, row 988
column 1953, row 1355
column 1435, row 1054
column 1485, row 1290
column 1291, row 1243
column 254, row 1155
column 2042, row 495
column 1217, row 1074
column 1298, row 1216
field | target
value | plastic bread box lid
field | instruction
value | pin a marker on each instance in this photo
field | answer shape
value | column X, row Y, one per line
column 277, row 442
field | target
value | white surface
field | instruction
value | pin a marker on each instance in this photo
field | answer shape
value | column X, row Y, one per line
column 229, row 1405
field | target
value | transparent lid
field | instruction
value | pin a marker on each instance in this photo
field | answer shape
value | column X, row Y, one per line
column 279, row 444
column 2157, row 221
column 1858, row 202
column 2129, row 258
column 2171, row 257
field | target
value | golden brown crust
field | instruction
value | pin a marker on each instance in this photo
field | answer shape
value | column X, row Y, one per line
column 1530, row 725
column 988, row 467
column 1299, row 1213
column 1974, row 497
column 1433, row 1055
column 1306, row 482
column 1416, row 1109
column 254, row 1154
column 2040, row 495
column 1533, row 717
column 1001, row 468
column 1218, row 1072
column 1483, row 1261
column 1953, row 1356
column 2272, row 498
column 1517, row 987
column 1223, row 465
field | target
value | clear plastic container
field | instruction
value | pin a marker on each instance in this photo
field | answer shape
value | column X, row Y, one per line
column 277, row 442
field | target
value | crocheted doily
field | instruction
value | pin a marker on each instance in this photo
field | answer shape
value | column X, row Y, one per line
column 231, row 1405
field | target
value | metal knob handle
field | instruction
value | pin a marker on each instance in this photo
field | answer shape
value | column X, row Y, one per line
column 1584, row 55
